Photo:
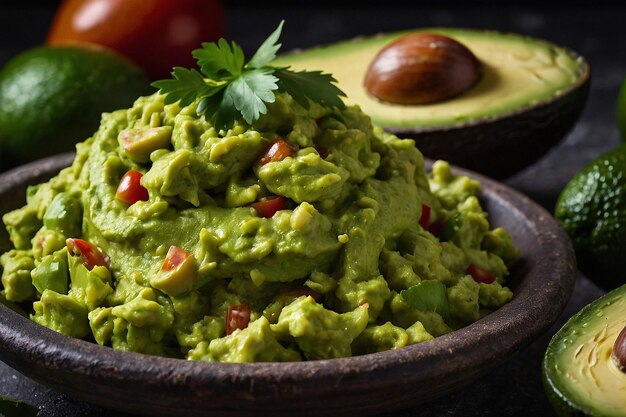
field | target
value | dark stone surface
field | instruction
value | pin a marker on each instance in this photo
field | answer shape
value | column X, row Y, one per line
column 513, row 389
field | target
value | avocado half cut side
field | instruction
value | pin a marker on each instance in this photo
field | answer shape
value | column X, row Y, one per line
column 580, row 377
column 530, row 94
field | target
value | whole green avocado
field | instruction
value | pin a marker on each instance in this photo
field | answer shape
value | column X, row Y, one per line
column 592, row 210
column 52, row 98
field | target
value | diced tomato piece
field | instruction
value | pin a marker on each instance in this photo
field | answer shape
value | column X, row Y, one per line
column 277, row 150
column 480, row 274
column 436, row 227
column 299, row 292
column 425, row 217
column 238, row 317
column 324, row 152
column 268, row 206
column 130, row 190
column 90, row 255
column 175, row 256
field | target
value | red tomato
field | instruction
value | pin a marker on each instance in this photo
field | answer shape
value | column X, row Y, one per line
column 238, row 317
column 130, row 190
column 277, row 150
column 175, row 256
column 155, row 34
column 425, row 218
column 90, row 255
column 436, row 227
column 480, row 274
column 268, row 206
column 324, row 152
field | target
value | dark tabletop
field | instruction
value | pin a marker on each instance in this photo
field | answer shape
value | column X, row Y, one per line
column 595, row 31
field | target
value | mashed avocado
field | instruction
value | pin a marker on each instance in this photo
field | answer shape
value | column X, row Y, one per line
column 308, row 235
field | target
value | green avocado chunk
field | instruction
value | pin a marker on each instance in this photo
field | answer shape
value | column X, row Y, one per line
column 16, row 280
column 259, row 339
column 318, row 332
column 580, row 376
column 51, row 273
column 61, row 313
column 64, row 214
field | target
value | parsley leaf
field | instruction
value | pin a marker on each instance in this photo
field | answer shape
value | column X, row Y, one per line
column 251, row 91
column 217, row 59
column 229, row 88
column 267, row 51
column 187, row 86
column 314, row 85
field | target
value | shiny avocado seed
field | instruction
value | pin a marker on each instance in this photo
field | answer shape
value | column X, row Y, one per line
column 422, row 68
column 619, row 351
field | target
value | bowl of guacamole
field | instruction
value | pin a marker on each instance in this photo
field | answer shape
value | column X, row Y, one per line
column 311, row 235
column 241, row 242
column 300, row 262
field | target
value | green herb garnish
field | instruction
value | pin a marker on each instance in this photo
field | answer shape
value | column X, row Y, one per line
column 429, row 295
column 228, row 87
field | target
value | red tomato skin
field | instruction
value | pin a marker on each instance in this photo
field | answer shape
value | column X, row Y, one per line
column 322, row 151
column 175, row 256
column 156, row 34
column 479, row 274
column 425, row 217
column 130, row 189
column 90, row 255
column 276, row 150
column 237, row 317
column 268, row 206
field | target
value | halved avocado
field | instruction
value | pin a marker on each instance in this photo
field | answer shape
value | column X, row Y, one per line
column 530, row 94
column 580, row 377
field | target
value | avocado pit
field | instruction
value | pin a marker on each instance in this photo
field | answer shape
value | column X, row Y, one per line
column 422, row 68
column 619, row 351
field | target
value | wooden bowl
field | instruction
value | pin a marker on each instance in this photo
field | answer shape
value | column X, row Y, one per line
column 542, row 282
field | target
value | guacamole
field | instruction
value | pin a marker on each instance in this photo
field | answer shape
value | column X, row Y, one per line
column 310, row 234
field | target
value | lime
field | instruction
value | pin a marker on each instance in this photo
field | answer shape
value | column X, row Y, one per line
column 592, row 210
column 53, row 98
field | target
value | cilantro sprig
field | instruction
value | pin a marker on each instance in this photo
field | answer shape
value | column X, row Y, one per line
column 228, row 87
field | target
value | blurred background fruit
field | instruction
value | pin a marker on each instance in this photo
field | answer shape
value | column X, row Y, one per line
column 156, row 34
column 53, row 98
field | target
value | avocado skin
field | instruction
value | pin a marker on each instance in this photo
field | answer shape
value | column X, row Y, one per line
column 501, row 146
column 562, row 404
column 592, row 210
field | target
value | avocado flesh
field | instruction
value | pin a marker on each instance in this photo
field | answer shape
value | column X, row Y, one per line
column 518, row 72
column 579, row 374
